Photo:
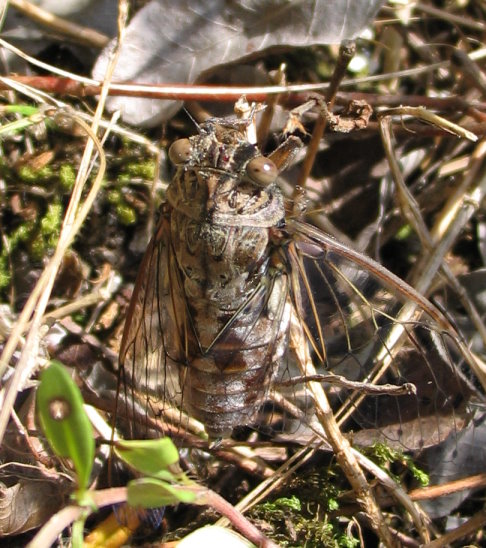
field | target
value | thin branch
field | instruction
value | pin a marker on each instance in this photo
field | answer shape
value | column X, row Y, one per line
column 346, row 53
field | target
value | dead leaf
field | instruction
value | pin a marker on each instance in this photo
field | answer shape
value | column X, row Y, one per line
column 174, row 42
column 27, row 504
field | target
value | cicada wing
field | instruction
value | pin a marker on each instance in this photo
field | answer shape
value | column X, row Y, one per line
column 365, row 324
column 153, row 349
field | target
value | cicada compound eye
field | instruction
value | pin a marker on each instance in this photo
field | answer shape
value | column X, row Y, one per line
column 262, row 170
column 180, row 151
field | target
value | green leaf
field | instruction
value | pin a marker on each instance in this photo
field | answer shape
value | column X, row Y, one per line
column 64, row 420
column 24, row 110
column 153, row 493
column 150, row 457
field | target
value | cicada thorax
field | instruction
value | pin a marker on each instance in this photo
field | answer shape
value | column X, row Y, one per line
column 236, row 310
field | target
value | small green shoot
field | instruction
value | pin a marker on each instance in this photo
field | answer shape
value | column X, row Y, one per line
column 70, row 434
column 31, row 115
column 149, row 457
column 65, row 422
column 154, row 493
column 153, row 458
column 24, row 110
column 77, row 531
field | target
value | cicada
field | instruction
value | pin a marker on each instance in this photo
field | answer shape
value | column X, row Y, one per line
column 232, row 284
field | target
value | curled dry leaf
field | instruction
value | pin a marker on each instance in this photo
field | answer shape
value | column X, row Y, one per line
column 27, row 505
column 175, row 42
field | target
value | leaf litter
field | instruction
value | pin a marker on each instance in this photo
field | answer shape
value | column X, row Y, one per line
column 350, row 175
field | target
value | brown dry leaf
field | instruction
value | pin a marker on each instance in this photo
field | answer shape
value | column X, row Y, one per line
column 175, row 42
column 27, row 504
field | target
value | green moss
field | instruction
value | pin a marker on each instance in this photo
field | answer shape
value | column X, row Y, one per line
column 144, row 170
column 126, row 214
column 51, row 222
column 293, row 524
column 332, row 505
column 4, row 167
column 45, row 235
column 384, row 456
column 292, row 503
column 35, row 176
column 124, row 179
column 345, row 541
column 136, row 170
column 404, row 232
column 80, row 317
column 114, row 197
column 39, row 237
column 67, row 177
column 5, row 276
column 422, row 477
column 37, row 247
column 20, row 234
column 300, row 517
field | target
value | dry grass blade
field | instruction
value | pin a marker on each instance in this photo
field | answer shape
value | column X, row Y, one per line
column 39, row 297
column 434, row 258
column 339, row 443
column 74, row 217
column 74, row 32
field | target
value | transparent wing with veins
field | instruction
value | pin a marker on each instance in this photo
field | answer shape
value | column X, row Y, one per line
column 365, row 324
column 153, row 340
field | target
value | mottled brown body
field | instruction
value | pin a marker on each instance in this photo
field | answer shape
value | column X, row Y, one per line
column 227, row 302
column 221, row 232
